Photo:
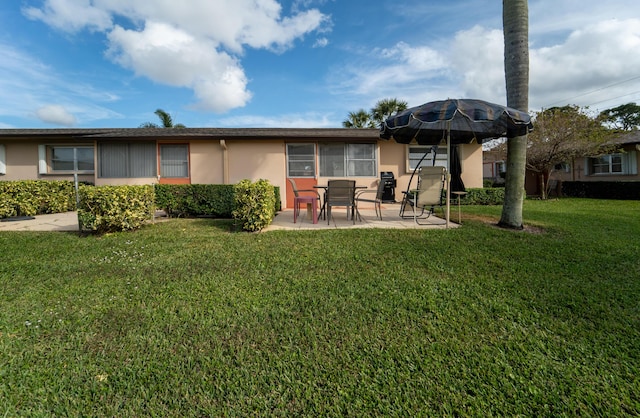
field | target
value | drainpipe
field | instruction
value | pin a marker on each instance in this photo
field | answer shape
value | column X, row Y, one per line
column 225, row 162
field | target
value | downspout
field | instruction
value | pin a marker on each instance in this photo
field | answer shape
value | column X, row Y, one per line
column 225, row 162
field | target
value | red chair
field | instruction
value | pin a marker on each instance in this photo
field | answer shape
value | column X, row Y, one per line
column 298, row 200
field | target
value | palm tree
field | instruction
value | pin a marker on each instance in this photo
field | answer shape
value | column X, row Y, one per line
column 360, row 119
column 165, row 119
column 385, row 108
column 515, row 21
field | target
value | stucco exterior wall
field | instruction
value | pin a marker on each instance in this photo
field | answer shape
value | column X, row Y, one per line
column 258, row 160
column 21, row 161
column 206, row 162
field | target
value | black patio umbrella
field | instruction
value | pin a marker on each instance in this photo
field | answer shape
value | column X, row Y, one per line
column 455, row 121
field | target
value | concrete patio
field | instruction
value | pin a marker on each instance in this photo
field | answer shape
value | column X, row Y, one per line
column 390, row 220
column 68, row 221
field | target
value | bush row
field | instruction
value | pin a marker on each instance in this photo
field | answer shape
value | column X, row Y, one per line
column 485, row 196
column 191, row 200
column 620, row 190
column 36, row 197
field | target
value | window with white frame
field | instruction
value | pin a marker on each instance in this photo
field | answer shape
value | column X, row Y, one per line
column 127, row 159
column 416, row 152
column 301, row 160
column 347, row 160
column 613, row 164
column 64, row 159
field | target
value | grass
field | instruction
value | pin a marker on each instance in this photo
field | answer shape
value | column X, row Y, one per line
column 185, row 318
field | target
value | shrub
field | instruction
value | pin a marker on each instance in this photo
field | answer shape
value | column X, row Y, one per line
column 115, row 208
column 254, row 204
column 191, row 200
column 622, row 190
column 486, row 196
column 35, row 197
column 188, row 200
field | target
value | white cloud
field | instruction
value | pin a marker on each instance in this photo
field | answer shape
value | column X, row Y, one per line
column 596, row 59
column 27, row 86
column 70, row 15
column 321, row 43
column 195, row 44
column 293, row 120
column 56, row 115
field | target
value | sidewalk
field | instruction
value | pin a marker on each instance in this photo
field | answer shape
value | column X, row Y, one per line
column 66, row 221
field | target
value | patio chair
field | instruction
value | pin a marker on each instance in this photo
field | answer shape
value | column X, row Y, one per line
column 365, row 196
column 312, row 196
column 427, row 196
column 341, row 193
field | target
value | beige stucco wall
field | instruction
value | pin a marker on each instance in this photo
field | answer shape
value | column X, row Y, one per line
column 258, row 160
column 206, row 162
column 21, row 161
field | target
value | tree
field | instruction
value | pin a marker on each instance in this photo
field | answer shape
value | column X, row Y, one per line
column 381, row 111
column 385, row 108
column 165, row 119
column 561, row 135
column 359, row 119
column 625, row 117
column 515, row 20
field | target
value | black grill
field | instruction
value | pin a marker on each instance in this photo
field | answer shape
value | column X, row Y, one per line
column 389, row 193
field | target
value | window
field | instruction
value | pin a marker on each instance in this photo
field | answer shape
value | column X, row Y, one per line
column 55, row 159
column 174, row 160
column 301, row 160
column 348, row 160
column 416, row 152
column 619, row 163
column 127, row 159
column 606, row 164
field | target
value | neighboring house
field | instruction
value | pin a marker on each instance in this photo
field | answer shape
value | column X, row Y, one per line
column 618, row 166
column 493, row 166
column 621, row 165
column 217, row 156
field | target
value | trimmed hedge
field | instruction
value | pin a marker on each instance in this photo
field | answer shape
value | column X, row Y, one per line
column 191, row 200
column 254, row 204
column 619, row 190
column 486, row 196
column 36, row 197
column 115, row 208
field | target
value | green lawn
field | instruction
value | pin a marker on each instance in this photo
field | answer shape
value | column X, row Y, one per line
column 185, row 318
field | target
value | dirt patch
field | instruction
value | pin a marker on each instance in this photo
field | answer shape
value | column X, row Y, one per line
column 531, row 229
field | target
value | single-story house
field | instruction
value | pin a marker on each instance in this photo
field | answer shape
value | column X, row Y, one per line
column 129, row 156
column 621, row 165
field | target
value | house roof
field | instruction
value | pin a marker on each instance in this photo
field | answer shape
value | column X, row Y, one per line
column 200, row 133
column 622, row 138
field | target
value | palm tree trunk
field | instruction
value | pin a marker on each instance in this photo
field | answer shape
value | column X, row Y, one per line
column 515, row 19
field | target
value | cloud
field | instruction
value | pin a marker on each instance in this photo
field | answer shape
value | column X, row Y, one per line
column 56, row 114
column 27, row 86
column 321, row 43
column 171, row 56
column 586, row 67
column 70, row 15
column 196, row 45
column 292, row 120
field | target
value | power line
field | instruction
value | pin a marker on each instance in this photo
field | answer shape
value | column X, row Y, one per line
column 597, row 90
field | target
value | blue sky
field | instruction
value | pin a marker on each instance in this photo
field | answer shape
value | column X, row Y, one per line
column 296, row 63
